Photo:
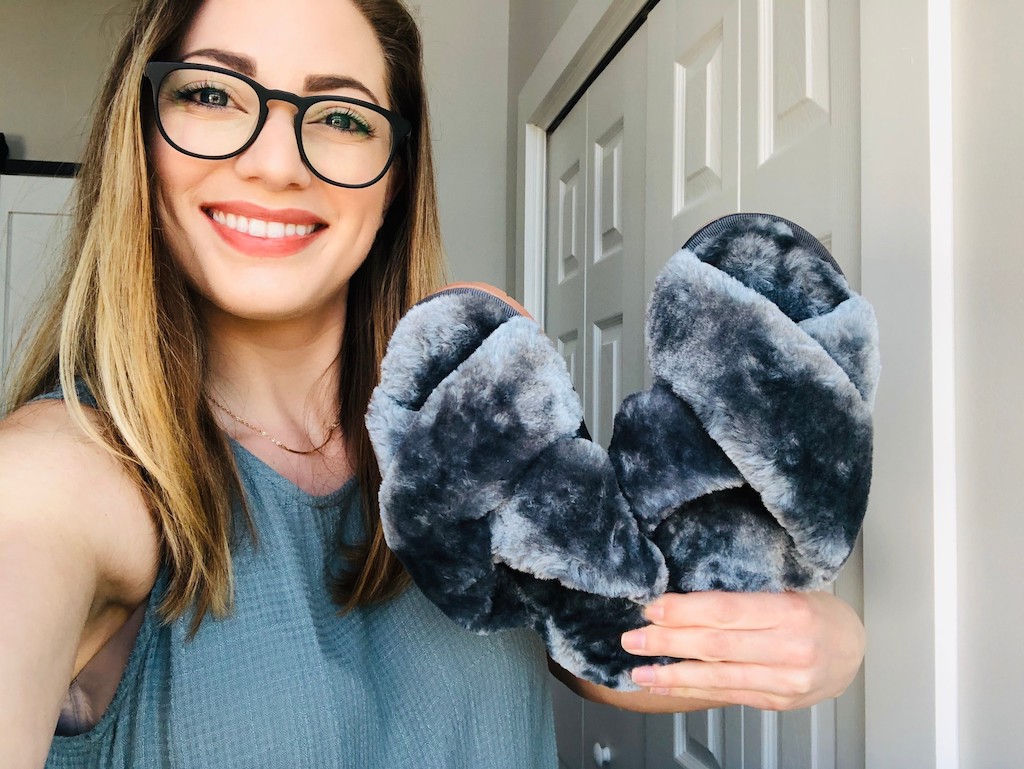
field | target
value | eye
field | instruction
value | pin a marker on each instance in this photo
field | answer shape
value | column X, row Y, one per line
column 206, row 95
column 348, row 122
column 212, row 97
column 343, row 120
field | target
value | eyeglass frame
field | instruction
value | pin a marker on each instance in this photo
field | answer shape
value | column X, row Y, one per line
column 157, row 71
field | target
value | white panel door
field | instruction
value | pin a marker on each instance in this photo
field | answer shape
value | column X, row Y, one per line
column 764, row 90
column 566, row 227
column 34, row 222
column 564, row 290
column 614, row 310
column 594, row 304
column 693, row 178
column 614, row 302
column 751, row 105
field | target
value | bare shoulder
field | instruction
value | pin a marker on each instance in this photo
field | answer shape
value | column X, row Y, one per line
column 77, row 551
column 55, row 478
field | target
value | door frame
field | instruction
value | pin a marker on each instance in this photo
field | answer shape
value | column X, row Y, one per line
column 909, row 590
column 588, row 33
column 910, row 541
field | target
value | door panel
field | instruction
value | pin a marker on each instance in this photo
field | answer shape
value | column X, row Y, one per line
column 613, row 307
column 565, row 284
column 786, row 132
column 34, row 224
column 693, row 178
column 692, row 138
column 594, row 310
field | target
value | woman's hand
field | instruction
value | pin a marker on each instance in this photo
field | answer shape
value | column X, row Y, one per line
column 772, row 651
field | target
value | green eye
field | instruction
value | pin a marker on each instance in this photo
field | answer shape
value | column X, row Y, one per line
column 348, row 123
column 344, row 122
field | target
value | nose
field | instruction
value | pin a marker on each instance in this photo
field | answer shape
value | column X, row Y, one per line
column 274, row 159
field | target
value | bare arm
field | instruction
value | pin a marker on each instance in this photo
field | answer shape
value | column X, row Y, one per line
column 64, row 586
column 641, row 701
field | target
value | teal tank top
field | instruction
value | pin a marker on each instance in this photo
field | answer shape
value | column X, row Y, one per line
column 284, row 682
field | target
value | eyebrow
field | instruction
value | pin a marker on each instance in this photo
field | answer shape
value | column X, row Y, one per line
column 313, row 84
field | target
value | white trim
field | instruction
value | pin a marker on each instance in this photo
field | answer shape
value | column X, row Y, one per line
column 940, row 86
column 909, row 533
column 586, row 36
column 588, row 33
column 535, row 212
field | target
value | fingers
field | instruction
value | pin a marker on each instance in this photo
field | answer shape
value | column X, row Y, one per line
column 724, row 681
column 770, row 651
column 763, row 647
column 731, row 611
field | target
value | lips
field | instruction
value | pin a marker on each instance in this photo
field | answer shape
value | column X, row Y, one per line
column 259, row 231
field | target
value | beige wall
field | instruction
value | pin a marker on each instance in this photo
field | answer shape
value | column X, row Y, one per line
column 533, row 24
column 988, row 65
column 52, row 55
column 466, row 52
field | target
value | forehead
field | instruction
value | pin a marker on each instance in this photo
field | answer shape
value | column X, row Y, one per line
column 290, row 40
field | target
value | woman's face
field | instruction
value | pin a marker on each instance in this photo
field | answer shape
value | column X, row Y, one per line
column 287, row 45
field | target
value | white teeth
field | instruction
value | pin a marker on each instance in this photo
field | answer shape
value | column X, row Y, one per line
column 260, row 228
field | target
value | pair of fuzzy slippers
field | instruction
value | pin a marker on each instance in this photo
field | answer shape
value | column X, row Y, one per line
column 745, row 467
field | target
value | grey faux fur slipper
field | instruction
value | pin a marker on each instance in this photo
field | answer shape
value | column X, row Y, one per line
column 745, row 467
column 753, row 328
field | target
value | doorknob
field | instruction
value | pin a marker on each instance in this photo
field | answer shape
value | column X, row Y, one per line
column 602, row 755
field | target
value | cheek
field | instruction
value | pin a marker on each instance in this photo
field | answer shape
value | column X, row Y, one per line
column 360, row 213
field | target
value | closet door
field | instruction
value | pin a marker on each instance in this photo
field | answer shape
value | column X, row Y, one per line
column 34, row 223
column 693, row 178
column 594, row 311
column 566, row 266
column 753, row 108
column 750, row 105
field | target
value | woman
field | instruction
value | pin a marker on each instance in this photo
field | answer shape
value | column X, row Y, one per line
column 185, row 459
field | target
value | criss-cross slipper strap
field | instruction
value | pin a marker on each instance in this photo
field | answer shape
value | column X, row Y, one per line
column 789, row 403
column 475, row 425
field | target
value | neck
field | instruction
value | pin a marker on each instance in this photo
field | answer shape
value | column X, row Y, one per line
column 282, row 375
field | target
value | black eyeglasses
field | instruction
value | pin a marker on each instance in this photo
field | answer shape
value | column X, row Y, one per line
column 214, row 113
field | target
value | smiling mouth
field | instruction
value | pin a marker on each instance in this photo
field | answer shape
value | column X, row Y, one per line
column 261, row 228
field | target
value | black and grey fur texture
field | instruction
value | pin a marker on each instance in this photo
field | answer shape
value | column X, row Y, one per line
column 745, row 467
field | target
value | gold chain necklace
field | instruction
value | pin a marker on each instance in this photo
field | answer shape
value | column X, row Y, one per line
column 265, row 434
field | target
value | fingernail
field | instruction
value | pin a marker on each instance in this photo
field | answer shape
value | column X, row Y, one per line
column 655, row 612
column 659, row 690
column 643, row 675
column 634, row 640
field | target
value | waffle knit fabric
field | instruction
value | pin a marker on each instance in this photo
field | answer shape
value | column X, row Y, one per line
column 285, row 682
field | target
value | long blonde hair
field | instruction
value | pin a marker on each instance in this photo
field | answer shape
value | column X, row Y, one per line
column 122, row 321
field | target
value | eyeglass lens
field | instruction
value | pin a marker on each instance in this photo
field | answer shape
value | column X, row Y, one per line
column 214, row 115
